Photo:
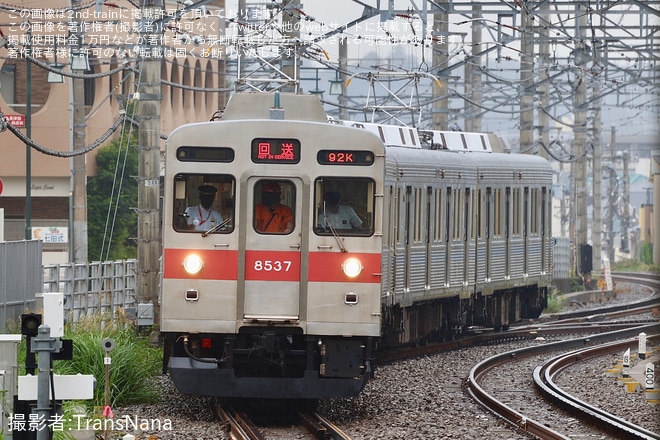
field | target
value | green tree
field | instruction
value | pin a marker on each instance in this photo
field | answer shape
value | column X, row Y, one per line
column 111, row 195
column 646, row 253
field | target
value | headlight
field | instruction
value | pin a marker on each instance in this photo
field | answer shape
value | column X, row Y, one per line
column 352, row 267
column 193, row 264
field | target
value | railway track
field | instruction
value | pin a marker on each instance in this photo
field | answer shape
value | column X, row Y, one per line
column 309, row 425
column 544, row 379
column 520, row 420
column 239, row 426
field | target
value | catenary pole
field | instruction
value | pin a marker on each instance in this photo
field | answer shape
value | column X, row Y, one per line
column 148, row 102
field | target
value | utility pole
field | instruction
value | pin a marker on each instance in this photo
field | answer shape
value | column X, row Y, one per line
column 78, row 251
column 526, row 83
column 28, row 149
column 440, row 106
column 148, row 210
column 291, row 27
column 343, row 67
column 625, row 215
column 655, row 165
column 473, row 76
column 79, row 173
column 580, row 136
column 597, row 230
column 611, row 198
column 544, row 83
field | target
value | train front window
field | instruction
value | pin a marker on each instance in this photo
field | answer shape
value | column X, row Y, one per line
column 344, row 206
column 204, row 203
column 274, row 206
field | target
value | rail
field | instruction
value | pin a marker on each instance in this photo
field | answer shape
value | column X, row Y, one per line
column 479, row 370
column 239, row 426
column 544, row 380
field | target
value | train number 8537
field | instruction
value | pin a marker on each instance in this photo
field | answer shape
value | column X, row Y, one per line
column 272, row 265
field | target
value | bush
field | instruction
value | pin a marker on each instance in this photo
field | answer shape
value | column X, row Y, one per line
column 134, row 360
column 554, row 303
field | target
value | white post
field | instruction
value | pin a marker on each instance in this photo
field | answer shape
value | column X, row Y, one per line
column 649, row 376
column 626, row 364
column 641, row 351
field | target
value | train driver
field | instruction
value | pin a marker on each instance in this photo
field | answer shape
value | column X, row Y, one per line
column 336, row 214
column 271, row 215
column 203, row 217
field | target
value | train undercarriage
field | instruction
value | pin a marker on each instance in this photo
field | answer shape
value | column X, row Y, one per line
column 446, row 319
column 269, row 363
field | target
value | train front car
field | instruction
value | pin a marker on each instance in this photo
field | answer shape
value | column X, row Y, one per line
column 272, row 242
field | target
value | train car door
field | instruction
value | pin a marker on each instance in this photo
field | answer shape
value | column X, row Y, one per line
column 271, row 256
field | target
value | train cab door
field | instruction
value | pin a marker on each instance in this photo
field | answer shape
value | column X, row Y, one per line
column 271, row 255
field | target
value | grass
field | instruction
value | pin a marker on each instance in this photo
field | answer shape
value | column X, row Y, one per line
column 555, row 302
column 634, row 266
column 133, row 359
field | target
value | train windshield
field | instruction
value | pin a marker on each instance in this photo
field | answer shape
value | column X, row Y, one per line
column 204, row 203
column 275, row 206
column 344, row 206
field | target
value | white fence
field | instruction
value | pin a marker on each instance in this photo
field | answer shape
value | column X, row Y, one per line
column 89, row 288
column 93, row 288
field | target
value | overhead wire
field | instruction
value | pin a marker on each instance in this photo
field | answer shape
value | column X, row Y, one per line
column 271, row 25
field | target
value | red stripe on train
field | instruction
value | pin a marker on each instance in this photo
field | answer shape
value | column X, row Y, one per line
column 271, row 266
column 326, row 267
column 218, row 264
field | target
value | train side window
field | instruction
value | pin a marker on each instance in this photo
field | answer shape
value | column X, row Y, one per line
column 546, row 206
column 458, row 212
column 477, row 215
column 507, row 212
column 488, row 213
column 204, row 203
column 517, row 217
column 497, row 213
column 438, row 215
column 466, row 216
column 344, row 206
column 536, row 205
column 448, row 213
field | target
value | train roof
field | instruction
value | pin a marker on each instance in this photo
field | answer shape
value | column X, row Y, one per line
column 287, row 106
column 411, row 163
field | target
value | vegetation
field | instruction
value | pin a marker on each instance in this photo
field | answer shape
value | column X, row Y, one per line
column 646, row 253
column 635, row 266
column 554, row 302
column 133, row 360
column 111, row 197
column 576, row 285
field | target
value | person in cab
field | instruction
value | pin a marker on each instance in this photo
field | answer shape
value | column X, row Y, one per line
column 203, row 217
column 336, row 214
column 271, row 216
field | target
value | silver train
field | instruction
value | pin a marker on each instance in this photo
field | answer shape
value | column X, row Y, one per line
column 295, row 246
